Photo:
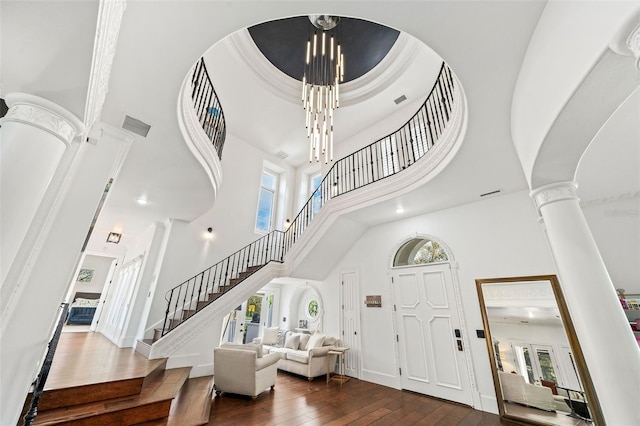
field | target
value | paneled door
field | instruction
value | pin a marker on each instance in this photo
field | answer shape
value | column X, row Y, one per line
column 430, row 348
column 350, row 322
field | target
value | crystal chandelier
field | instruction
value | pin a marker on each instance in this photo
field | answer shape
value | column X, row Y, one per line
column 324, row 69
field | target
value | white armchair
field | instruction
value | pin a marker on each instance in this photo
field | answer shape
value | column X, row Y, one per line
column 238, row 369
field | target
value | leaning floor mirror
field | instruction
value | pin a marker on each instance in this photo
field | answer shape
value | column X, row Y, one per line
column 538, row 368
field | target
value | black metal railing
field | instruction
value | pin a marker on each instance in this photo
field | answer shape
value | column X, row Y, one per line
column 379, row 160
column 38, row 385
column 207, row 106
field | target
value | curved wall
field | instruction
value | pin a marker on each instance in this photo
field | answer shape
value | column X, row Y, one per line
column 572, row 36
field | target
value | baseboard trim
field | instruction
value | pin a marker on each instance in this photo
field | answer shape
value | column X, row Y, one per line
column 202, row 370
column 382, row 379
column 488, row 404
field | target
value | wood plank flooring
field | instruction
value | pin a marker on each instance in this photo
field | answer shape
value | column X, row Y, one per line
column 296, row 401
column 90, row 358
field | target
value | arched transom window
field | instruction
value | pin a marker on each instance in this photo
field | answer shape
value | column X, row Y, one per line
column 420, row 251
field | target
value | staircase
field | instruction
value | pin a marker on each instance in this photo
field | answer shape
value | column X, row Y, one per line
column 438, row 120
column 140, row 391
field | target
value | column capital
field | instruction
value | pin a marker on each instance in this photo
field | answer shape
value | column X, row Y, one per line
column 554, row 192
column 43, row 114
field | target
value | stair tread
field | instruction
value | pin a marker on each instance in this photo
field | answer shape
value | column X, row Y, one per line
column 192, row 406
column 161, row 387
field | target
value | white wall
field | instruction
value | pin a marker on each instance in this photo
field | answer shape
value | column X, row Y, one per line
column 100, row 266
column 188, row 251
column 497, row 237
column 615, row 226
column 571, row 35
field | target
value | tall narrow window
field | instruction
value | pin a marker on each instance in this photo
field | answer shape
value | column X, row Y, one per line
column 266, row 202
column 316, row 193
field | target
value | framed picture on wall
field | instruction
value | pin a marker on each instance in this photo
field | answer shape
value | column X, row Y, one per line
column 85, row 275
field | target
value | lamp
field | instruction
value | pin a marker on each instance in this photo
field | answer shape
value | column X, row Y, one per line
column 324, row 68
column 114, row 237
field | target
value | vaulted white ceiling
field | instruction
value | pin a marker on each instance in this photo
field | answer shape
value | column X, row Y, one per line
column 483, row 42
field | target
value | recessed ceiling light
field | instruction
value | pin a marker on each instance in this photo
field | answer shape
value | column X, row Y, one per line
column 399, row 210
column 142, row 201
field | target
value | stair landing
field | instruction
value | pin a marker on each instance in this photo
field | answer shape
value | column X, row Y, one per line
column 92, row 381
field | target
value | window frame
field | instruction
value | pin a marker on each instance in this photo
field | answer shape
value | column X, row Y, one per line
column 272, row 210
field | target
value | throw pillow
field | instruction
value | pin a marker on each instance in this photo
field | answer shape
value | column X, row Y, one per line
column 292, row 341
column 315, row 341
column 329, row 341
column 270, row 336
column 304, row 339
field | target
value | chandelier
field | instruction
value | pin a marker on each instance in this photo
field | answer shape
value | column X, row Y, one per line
column 324, row 69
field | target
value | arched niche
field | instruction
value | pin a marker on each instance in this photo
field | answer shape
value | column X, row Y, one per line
column 307, row 305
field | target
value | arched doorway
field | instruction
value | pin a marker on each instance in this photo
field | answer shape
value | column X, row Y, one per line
column 430, row 344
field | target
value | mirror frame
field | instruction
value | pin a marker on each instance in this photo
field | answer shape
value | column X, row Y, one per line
column 594, row 405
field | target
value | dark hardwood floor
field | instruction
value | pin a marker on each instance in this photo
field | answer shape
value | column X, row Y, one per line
column 296, row 401
column 89, row 359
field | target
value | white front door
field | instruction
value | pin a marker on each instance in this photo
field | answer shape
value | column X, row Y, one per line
column 432, row 358
column 350, row 322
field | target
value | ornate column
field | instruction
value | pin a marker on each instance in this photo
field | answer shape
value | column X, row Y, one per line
column 611, row 353
column 34, row 135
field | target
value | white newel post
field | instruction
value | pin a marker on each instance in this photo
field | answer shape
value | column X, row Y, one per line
column 34, row 136
column 610, row 350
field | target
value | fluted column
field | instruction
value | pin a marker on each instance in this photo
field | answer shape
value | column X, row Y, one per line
column 34, row 136
column 610, row 350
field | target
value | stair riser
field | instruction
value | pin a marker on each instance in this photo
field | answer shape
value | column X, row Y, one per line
column 130, row 416
column 90, row 393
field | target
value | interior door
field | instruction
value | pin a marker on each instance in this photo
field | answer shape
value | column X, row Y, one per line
column 351, row 322
column 120, row 302
column 432, row 358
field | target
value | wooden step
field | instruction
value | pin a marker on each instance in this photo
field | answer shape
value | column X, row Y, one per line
column 153, row 402
column 53, row 398
column 191, row 407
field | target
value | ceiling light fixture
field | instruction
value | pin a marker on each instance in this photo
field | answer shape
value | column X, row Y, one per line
column 324, row 69
column 142, row 201
column 114, row 237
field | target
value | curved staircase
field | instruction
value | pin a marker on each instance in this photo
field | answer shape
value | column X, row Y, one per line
column 386, row 168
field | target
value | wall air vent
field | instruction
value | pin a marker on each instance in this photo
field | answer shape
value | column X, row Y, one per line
column 399, row 100
column 282, row 155
column 497, row 191
column 136, row 126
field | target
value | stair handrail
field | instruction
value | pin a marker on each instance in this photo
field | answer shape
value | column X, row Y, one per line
column 207, row 106
column 41, row 379
column 381, row 159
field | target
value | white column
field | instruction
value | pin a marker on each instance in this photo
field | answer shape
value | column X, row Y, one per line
column 35, row 134
column 610, row 350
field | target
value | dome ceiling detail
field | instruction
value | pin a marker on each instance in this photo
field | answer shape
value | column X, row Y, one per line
column 283, row 43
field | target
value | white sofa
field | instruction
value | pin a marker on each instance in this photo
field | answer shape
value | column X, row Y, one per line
column 300, row 353
column 243, row 369
column 515, row 389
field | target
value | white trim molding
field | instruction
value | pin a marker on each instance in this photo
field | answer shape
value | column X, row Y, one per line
column 396, row 61
column 554, row 192
column 110, row 13
column 43, row 114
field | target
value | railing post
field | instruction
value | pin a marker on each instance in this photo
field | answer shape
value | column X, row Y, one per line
column 46, row 367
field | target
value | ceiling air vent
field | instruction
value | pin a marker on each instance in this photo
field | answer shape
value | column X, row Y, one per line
column 282, row 155
column 399, row 100
column 497, row 191
column 136, row 126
